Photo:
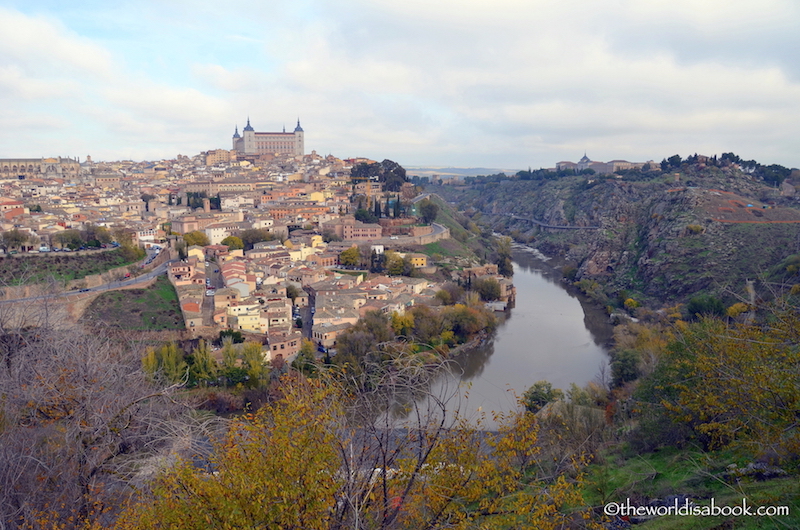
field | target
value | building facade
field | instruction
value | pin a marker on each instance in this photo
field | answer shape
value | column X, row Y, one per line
column 23, row 168
column 255, row 143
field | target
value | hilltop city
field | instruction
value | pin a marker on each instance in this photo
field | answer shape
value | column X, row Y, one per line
column 253, row 238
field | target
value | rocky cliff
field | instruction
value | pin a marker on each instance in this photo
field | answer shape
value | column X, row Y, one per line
column 660, row 238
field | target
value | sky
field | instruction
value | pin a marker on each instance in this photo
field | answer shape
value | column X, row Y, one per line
column 467, row 83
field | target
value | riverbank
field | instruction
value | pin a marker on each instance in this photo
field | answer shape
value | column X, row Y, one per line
column 551, row 334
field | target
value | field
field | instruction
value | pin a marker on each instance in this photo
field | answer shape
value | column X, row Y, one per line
column 155, row 308
column 62, row 266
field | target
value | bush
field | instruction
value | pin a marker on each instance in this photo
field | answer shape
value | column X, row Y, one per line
column 625, row 367
column 540, row 394
column 704, row 305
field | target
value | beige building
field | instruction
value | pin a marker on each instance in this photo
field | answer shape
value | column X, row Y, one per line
column 600, row 168
column 251, row 142
column 25, row 168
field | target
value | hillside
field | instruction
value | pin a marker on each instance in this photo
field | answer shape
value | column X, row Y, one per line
column 661, row 238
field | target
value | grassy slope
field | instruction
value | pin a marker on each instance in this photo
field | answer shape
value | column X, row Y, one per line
column 37, row 268
column 462, row 243
column 700, row 476
column 155, row 308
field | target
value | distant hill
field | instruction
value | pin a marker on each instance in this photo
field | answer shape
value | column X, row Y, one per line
column 427, row 171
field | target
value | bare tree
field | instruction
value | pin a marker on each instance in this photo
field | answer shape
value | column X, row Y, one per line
column 78, row 421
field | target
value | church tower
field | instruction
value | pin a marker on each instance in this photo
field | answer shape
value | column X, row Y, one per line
column 249, row 139
column 299, row 141
column 237, row 139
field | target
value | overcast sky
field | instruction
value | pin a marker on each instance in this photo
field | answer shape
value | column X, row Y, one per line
column 500, row 83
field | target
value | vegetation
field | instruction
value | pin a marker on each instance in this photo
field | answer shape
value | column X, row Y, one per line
column 350, row 257
column 423, row 332
column 390, row 173
column 63, row 267
column 365, row 216
column 428, row 210
column 233, row 242
column 252, row 236
column 78, row 420
column 330, row 464
column 196, row 238
column 154, row 308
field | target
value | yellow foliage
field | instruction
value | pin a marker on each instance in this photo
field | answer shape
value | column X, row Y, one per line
column 737, row 309
column 302, row 462
column 738, row 384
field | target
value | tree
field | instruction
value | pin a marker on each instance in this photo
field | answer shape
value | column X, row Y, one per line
column 123, row 236
column 196, row 238
column 306, row 360
column 292, row 291
column 394, row 263
column 147, row 197
column 540, row 394
column 365, row 216
column 203, row 368
column 428, row 210
column 625, row 367
column 329, row 236
column 14, row 238
column 704, row 305
column 674, row 161
column 319, row 458
column 253, row 363
column 350, row 257
column 251, row 236
column 488, row 288
column 504, row 264
column 736, row 384
column 233, row 243
column 165, row 363
column 95, row 235
column 79, row 418
column 68, row 239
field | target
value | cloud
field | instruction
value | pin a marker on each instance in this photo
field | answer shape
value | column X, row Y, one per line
column 516, row 82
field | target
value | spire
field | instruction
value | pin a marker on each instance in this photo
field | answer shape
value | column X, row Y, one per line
column 248, row 127
column 236, row 132
column 298, row 128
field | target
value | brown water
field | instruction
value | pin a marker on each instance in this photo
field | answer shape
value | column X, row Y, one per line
column 551, row 334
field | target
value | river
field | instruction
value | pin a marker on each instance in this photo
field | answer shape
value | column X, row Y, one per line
column 551, row 334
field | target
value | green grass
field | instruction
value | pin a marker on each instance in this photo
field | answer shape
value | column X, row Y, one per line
column 62, row 266
column 155, row 308
column 700, row 476
column 350, row 273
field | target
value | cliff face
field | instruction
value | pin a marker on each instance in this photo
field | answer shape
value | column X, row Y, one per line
column 656, row 238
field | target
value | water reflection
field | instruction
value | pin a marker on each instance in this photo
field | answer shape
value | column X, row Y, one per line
column 550, row 334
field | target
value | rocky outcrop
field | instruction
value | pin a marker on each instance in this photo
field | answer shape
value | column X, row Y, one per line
column 663, row 243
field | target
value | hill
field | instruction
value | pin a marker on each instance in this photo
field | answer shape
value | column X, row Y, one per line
column 660, row 237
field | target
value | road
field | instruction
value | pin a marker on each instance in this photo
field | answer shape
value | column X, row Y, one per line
column 158, row 271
